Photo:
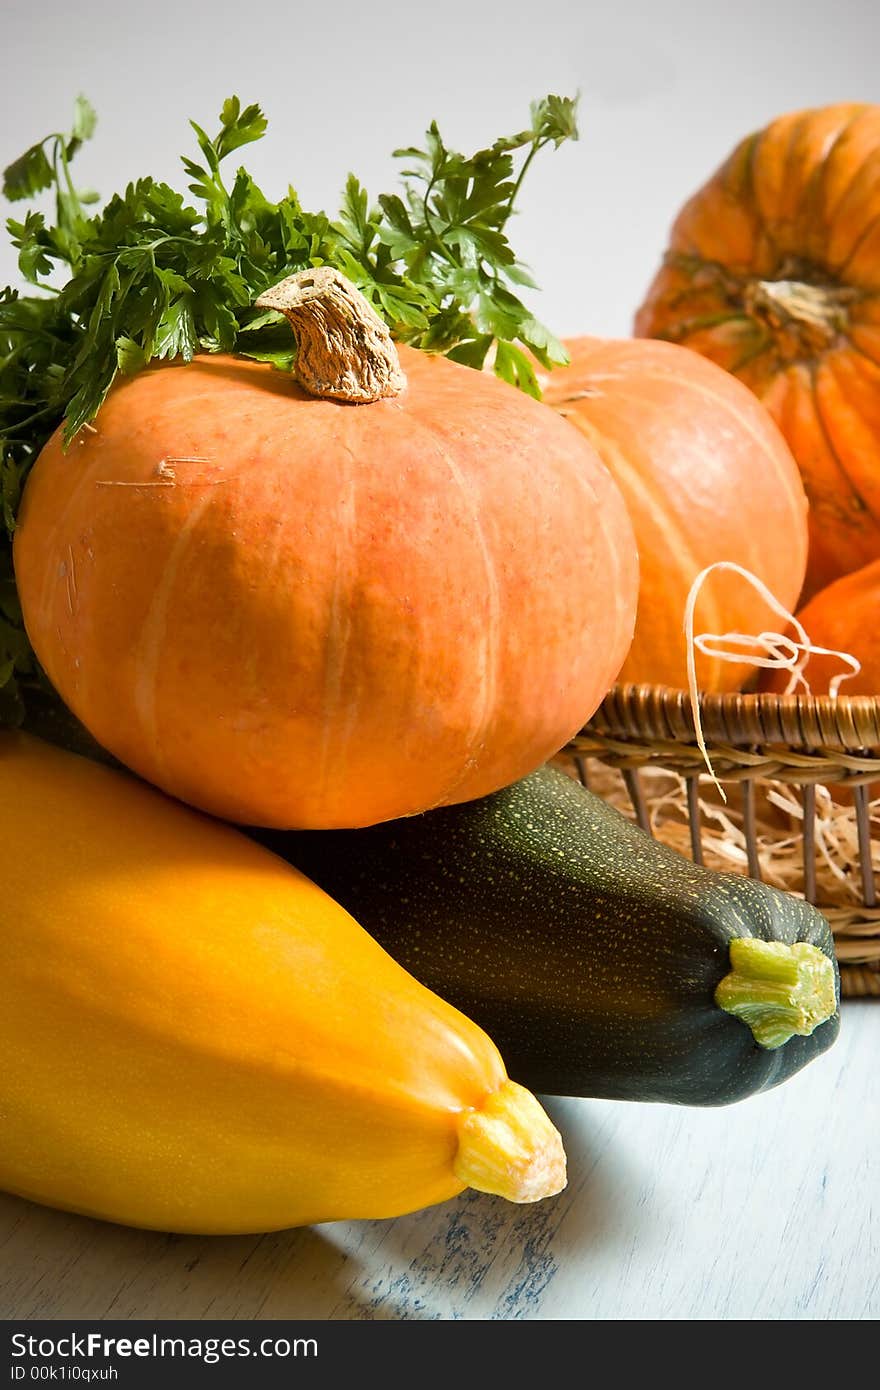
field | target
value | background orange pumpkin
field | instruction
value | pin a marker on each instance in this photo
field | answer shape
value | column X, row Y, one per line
column 296, row 612
column 706, row 476
column 844, row 617
column 773, row 271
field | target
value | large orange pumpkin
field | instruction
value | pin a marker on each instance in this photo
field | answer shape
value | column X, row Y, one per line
column 707, row 476
column 296, row 612
column 844, row 617
column 773, row 271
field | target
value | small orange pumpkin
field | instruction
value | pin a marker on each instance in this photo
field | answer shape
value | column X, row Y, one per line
column 291, row 611
column 844, row 617
column 706, row 476
column 773, row 271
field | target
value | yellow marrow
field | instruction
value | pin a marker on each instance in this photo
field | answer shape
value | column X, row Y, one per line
column 195, row 1037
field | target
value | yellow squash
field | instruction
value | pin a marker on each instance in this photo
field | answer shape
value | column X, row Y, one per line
column 195, row 1037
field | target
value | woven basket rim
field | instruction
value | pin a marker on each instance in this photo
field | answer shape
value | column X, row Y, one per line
column 805, row 723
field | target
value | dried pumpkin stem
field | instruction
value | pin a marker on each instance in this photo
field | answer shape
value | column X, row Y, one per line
column 344, row 350
column 509, row 1147
column 816, row 313
column 778, row 990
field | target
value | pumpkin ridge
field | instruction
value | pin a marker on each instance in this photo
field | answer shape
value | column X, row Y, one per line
column 56, row 528
column 486, row 700
column 336, row 732
column 824, row 166
column 788, row 378
column 813, row 207
column 623, row 637
column 783, row 192
column 835, row 379
column 148, row 656
column 750, row 197
column 638, row 481
column 752, row 200
column 719, row 403
column 854, row 250
column 671, row 526
column 822, row 422
column 847, row 188
column 866, row 355
column 812, row 211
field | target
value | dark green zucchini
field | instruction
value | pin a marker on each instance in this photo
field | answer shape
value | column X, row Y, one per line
column 590, row 953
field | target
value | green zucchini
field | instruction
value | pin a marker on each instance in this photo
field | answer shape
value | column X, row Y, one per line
column 601, row 962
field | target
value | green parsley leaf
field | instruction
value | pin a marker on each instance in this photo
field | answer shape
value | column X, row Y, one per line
column 84, row 121
column 512, row 365
column 28, row 175
column 239, row 127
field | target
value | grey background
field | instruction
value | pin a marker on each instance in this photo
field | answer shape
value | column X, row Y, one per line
column 667, row 89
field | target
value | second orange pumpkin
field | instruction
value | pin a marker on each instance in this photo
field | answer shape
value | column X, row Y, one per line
column 707, row 476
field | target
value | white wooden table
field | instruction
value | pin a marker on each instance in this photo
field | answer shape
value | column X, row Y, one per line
column 759, row 1210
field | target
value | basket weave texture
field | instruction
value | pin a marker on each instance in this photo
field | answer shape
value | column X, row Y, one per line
column 762, row 742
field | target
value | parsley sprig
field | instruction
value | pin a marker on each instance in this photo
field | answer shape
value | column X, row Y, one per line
column 153, row 275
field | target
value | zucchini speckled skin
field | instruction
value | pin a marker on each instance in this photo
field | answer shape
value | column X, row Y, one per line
column 590, row 952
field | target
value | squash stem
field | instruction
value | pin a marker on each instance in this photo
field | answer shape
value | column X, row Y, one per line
column 509, row 1147
column 778, row 990
column 344, row 350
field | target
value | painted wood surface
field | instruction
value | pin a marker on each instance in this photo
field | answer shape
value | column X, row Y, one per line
column 760, row 1210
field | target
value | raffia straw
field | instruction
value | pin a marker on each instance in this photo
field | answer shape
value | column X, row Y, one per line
column 771, row 650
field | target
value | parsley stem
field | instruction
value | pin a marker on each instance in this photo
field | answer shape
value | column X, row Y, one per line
column 68, row 219
column 436, row 240
column 28, row 420
column 536, row 146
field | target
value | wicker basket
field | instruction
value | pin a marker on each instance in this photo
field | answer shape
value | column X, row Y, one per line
column 760, row 742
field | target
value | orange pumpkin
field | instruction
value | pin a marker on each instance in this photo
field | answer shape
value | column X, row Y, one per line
column 707, row 476
column 292, row 611
column 844, row 617
column 773, row 271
